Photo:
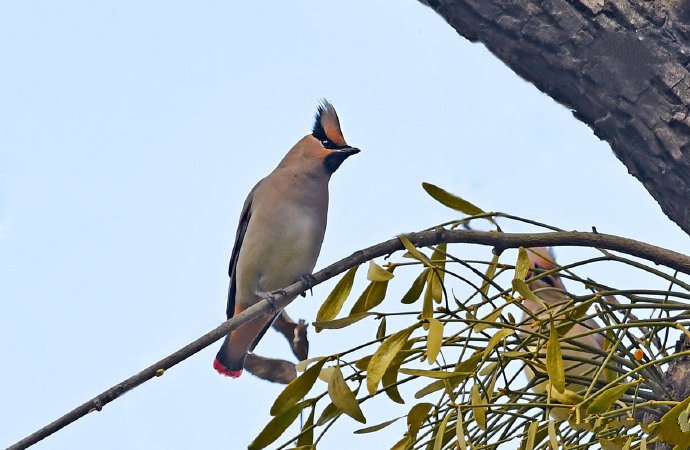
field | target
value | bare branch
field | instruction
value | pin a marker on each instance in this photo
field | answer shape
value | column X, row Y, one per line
column 500, row 242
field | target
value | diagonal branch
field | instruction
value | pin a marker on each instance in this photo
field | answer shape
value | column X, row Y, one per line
column 500, row 242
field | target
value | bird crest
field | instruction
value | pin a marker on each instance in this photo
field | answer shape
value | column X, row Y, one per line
column 327, row 126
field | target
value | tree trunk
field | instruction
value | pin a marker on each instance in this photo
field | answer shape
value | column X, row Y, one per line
column 621, row 66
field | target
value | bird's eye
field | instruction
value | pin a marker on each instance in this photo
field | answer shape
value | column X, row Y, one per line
column 327, row 143
column 549, row 281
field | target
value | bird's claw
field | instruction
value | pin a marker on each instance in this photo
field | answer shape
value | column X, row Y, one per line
column 270, row 297
column 309, row 282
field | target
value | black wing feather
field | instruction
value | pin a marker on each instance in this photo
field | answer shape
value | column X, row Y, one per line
column 245, row 216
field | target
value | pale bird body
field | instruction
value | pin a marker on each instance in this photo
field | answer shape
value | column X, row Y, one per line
column 550, row 290
column 280, row 233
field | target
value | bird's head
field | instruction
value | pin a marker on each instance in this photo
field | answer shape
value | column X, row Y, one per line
column 325, row 149
column 540, row 260
column 332, row 148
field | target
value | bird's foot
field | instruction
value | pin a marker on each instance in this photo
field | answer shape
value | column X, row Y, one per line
column 309, row 282
column 270, row 297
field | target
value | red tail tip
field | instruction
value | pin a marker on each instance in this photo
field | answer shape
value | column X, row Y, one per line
column 223, row 371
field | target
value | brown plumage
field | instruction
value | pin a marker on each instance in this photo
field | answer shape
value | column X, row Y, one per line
column 280, row 232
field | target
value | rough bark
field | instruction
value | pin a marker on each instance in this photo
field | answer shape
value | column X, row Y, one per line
column 622, row 66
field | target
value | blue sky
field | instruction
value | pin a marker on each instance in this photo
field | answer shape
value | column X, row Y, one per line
column 131, row 133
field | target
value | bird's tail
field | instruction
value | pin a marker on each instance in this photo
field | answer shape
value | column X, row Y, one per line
column 269, row 369
column 224, row 364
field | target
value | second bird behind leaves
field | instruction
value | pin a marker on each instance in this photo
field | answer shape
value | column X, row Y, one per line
column 279, row 238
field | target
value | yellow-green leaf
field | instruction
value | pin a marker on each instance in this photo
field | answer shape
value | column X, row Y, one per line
column 416, row 254
column 277, row 426
column 390, row 376
column 378, row 273
column 435, row 374
column 521, row 287
column 377, row 427
column 306, row 436
column 434, row 340
column 415, row 291
column 608, row 397
column 438, row 258
column 342, row 396
column 460, row 431
column 553, row 438
column 554, row 360
column 328, row 413
column 479, row 411
column 417, row 415
column 384, row 355
column 342, row 323
column 438, row 441
column 470, row 364
column 531, row 434
column 363, row 362
column 403, row 444
column 335, row 300
column 381, row 331
column 489, row 275
column 497, row 338
column 452, row 201
column 522, row 264
column 428, row 305
column 297, row 389
column 302, row 365
column 372, row 296
column 567, row 397
column 478, row 327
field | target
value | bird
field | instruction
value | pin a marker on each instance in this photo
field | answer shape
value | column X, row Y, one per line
column 550, row 289
column 280, row 232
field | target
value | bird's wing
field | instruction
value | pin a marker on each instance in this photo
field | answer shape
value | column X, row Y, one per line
column 239, row 237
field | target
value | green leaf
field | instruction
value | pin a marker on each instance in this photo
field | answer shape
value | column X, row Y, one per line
column 451, row 201
column 363, row 362
column 377, row 427
column 489, row 275
column 434, row 340
column 335, row 300
column 297, row 389
column 372, row 296
column 384, row 355
column 554, row 360
column 342, row 323
column 479, row 411
column 416, row 254
column 522, row 265
column 608, row 397
column 306, row 436
column 378, row 273
column 436, row 374
column 342, row 396
column 415, row 291
column 277, row 426
column 417, row 415
column 497, row 338
column 302, row 365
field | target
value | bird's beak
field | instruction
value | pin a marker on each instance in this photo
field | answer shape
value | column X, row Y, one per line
column 349, row 151
column 335, row 158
